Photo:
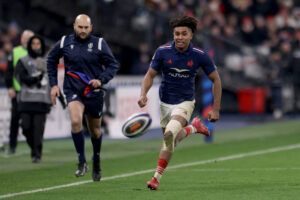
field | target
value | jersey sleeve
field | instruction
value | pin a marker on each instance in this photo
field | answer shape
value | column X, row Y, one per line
column 207, row 64
column 156, row 62
column 110, row 63
column 52, row 61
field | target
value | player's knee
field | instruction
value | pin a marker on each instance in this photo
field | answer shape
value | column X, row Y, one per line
column 95, row 132
column 168, row 144
column 174, row 127
column 76, row 124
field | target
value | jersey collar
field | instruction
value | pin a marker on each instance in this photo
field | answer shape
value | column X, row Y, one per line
column 188, row 51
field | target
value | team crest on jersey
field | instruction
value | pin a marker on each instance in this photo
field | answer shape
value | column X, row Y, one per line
column 90, row 46
column 170, row 62
column 190, row 63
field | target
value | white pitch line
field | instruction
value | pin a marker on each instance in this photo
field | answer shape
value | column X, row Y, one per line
column 242, row 169
column 225, row 158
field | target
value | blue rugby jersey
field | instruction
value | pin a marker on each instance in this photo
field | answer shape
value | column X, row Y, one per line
column 85, row 59
column 178, row 70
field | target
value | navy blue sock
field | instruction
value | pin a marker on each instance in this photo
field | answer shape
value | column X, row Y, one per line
column 96, row 148
column 78, row 139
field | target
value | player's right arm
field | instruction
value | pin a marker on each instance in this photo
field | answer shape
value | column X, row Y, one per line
column 155, row 66
column 146, row 85
column 52, row 61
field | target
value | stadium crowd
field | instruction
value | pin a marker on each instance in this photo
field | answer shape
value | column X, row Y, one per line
column 255, row 43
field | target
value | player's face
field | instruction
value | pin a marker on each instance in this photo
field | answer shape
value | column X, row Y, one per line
column 182, row 37
column 82, row 28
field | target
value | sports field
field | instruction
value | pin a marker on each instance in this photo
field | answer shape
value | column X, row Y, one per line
column 256, row 162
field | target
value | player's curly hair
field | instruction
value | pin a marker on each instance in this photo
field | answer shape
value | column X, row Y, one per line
column 187, row 21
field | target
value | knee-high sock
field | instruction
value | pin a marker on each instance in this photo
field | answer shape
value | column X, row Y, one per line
column 96, row 148
column 161, row 166
column 78, row 139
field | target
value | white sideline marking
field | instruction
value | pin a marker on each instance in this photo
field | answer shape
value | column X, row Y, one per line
column 241, row 169
column 225, row 158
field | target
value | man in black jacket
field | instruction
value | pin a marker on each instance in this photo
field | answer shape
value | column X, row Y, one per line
column 89, row 64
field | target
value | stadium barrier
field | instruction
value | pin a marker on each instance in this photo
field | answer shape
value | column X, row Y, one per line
column 126, row 92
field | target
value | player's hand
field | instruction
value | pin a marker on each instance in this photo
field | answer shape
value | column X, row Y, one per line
column 142, row 101
column 213, row 115
column 54, row 93
column 11, row 93
column 95, row 83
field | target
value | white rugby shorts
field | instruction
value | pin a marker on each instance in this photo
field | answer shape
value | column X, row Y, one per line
column 184, row 109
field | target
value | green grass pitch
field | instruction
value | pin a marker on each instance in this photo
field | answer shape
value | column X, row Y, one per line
column 256, row 162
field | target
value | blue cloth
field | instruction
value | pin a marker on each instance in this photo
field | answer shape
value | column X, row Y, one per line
column 93, row 103
column 178, row 71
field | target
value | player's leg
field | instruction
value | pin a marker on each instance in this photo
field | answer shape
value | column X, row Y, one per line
column 196, row 126
column 185, row 110
column 27, row 127
column 172, row 129
column 14, row 126
column 76, row 109
column 93, row 109
column 94, row 125
column 173, row 118
column 39, row 121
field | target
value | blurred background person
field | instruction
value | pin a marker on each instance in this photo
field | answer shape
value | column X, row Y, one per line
column 34, row 97
column 14, row 87
column 276, row 77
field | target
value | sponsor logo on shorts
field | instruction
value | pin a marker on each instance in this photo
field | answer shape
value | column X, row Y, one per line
column 74, row 96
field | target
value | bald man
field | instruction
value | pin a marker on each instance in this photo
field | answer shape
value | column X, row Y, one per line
column 14, row 87
column 89, row 64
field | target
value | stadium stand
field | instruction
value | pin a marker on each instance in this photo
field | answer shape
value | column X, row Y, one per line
column 244, row 37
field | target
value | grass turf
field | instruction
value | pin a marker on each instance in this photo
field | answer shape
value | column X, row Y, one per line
column 264, row 176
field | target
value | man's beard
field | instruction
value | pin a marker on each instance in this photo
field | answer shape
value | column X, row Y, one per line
column 81, row 38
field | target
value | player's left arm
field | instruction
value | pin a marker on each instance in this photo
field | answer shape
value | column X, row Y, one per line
column 214, row 114
column 110, row 63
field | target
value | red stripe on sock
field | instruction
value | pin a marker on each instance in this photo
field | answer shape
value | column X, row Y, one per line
column 161, row 166
column 188, row 130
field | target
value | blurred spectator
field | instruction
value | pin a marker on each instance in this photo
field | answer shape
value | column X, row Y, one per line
column 13, row 33
column 141, row 64
column 3, row 65
column 34, row 96
column 14, row 87
column 276, row 78
column 261, row 32
column 296, row 68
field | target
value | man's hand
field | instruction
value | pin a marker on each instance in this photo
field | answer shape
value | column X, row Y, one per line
column 11, row 93
column 213, row 116
column 54, row 93
column 95, row 83
column 142, row 101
